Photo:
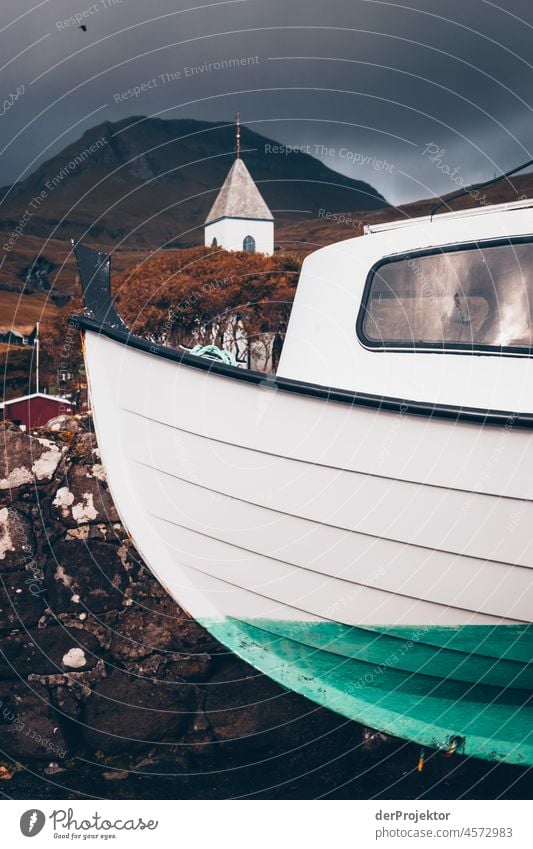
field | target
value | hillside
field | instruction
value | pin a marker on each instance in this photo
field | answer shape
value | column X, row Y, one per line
column 309, row 233
column 139, row 187
column 144, row 183
column 19, row 311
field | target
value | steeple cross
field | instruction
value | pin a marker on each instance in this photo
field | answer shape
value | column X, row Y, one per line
column 238, row 135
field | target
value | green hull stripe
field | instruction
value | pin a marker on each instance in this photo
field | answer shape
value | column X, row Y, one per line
column 336, row 667
column 512, row 642
column 410, row 653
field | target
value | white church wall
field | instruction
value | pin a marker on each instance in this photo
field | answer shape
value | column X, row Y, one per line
column 231, row 232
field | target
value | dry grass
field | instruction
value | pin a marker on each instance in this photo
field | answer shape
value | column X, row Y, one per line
column 24, row 310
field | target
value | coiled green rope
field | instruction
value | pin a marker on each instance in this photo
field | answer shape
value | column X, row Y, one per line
column 212, row 352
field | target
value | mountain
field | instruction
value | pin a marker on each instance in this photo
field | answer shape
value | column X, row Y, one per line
column 147, row 183
column 144, row 184
column 312, row 233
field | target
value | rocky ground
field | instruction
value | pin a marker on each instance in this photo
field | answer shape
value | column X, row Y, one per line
column 108, row 689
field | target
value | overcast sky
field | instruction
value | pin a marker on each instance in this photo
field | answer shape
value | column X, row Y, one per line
column 369, row 80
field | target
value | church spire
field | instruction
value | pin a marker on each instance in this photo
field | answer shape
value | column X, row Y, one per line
column 239, row 219
column 238, row 135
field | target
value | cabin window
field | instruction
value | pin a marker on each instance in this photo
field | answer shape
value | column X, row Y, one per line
column 248, row 244
column 476, row 296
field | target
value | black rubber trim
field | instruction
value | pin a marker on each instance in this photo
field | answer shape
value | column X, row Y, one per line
column 507, row 419
column 435, row 347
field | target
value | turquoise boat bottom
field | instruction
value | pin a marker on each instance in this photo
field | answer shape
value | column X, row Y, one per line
column 469, row 687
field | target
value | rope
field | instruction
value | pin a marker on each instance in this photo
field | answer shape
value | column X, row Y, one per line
column 212, row 352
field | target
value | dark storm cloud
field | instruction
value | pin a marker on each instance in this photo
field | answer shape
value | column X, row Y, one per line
column 366, row 84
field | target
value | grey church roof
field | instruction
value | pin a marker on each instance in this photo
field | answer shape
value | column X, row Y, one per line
column 239, row 197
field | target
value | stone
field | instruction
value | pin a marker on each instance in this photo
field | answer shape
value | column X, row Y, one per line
column 42, row 651
column 84, row 497
column 17, row 540
column 85, row 578
column 138, row 633
column 29, row 724
column 59, row 424
column 252, row 717
column 127, row 712
column 25, row 459
column 74, row 659
column 23, row 599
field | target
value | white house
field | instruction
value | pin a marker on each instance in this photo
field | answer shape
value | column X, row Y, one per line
column 239, row 219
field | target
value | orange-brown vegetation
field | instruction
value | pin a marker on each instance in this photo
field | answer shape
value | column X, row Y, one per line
column 206, row 295
column 195, row 295
column 199, row 294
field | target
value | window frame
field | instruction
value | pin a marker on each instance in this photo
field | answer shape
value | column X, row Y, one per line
column 252, row 240
column 432, row 347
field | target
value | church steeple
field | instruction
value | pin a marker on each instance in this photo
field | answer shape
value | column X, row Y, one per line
column 239, row 197
column 239, row 218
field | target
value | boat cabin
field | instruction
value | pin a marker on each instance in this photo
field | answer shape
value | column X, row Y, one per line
column 436, row 309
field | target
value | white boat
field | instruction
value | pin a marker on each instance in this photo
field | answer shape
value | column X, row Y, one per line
column 359, row 525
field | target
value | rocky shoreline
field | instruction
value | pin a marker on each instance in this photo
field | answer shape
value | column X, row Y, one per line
column 108, row 689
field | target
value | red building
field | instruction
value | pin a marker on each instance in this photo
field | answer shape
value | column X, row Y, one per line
column 35, row 410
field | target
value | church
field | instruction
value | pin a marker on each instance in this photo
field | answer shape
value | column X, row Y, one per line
column 239, row 219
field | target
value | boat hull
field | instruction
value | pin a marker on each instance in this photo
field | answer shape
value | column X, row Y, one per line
column 428, row 705
column 375, row 562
